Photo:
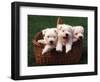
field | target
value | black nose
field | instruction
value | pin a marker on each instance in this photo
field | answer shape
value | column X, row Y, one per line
column 80, row 37
column 51, row 42
column 67, row 35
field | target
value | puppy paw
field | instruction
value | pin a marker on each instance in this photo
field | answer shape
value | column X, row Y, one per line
column 68, row 49
column 59, row 49
column 44, row 51
column 39, row 41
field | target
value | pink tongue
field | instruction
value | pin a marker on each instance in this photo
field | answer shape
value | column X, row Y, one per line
column 65, row 37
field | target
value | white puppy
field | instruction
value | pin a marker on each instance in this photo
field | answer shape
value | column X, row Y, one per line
column 49, row 39
column 77, row 33
column 64, row 37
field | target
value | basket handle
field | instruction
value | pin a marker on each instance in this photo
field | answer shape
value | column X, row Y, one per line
column 36, row 37
column 59, row 21
column 36, row 43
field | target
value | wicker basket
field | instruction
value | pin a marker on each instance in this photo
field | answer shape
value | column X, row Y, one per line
column 53, row 57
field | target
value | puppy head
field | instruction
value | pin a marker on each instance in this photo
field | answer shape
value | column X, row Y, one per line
column 78, row 33
column 64, row 31
column 50, row 36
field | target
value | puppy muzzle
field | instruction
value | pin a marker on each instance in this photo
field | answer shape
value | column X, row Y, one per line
column 66, row 36
column 80, row 38
column 51, row 42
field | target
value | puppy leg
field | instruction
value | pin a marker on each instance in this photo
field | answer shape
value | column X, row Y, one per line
column 59, row 46
column 46, row 49
column 69, row 46
column 41, row 41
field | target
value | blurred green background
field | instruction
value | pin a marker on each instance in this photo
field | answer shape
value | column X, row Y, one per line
column 36, row 23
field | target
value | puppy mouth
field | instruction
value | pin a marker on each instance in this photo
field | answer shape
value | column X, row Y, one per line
column 65, row 38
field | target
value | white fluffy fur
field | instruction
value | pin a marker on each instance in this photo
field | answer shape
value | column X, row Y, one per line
column 77, row 33
column 49, row 39
column 64, row 40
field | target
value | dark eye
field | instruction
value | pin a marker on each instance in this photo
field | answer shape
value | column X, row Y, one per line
column 76, row 33
column 48, row 36
column 54, row 37
column 63, row 30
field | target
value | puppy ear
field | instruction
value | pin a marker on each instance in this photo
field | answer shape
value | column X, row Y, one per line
column 59, row 27
column 55, row 30
column 44, row 31
column 82, row 29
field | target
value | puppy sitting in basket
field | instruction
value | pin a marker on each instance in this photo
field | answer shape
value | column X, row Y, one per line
column 78, row 32
column 49, row 39
column 64, row 37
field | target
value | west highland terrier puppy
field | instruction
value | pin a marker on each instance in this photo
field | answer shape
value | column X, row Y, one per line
column 64, row 37
column 49, row 39
column 78, row 32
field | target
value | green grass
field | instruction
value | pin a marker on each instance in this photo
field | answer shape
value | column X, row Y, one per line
column 37, row 23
